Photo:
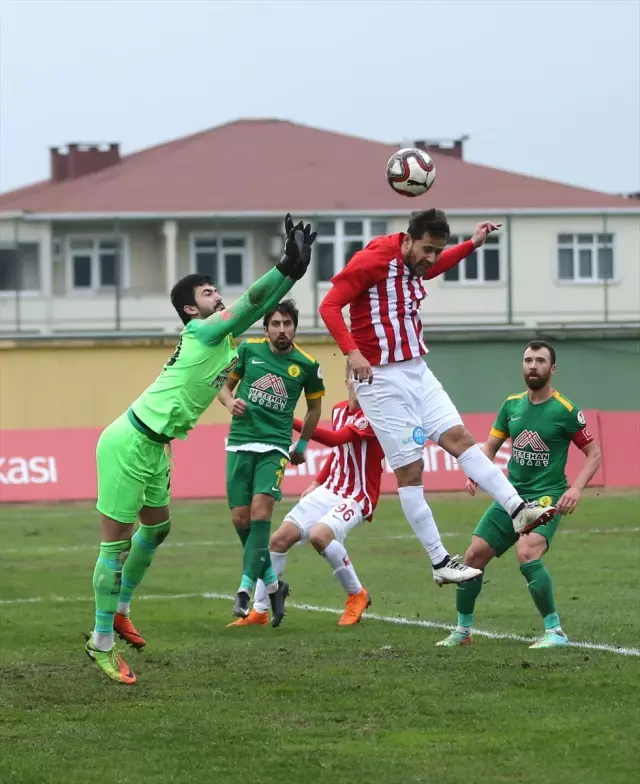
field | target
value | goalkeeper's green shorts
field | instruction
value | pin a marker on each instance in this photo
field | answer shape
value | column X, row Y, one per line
column 133, row 471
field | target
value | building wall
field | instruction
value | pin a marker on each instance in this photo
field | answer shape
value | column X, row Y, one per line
column 90, row 384
column 536, row 295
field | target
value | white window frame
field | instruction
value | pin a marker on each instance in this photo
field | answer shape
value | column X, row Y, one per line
column 11, row 294
column 339, row 240
column 479, row 281
column 247, row 257
column 95, row 287
column 594, row 280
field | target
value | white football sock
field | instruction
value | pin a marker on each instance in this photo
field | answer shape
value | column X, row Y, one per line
column 420, row 518
column 279, row 562
column 261, row 602
column 343, row 569
column 124, row 608
column 489, row 478
column 103, row 642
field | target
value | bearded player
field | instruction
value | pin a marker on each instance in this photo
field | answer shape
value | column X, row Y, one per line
column 343, row 495
column 132, row 454
column 384, row 285
column 542, row 425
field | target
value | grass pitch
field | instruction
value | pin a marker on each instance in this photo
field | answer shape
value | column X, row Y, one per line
column 310, row 702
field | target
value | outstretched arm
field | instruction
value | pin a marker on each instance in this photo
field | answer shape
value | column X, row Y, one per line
column 266, row 291
column 248, row 309
column 452, row 256
column 327, row 437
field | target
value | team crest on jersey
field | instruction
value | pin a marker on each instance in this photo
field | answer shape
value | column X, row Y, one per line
column 530, row 450
column 361, row 423
column 545, row 501
column 294, row 371
column 269, row 391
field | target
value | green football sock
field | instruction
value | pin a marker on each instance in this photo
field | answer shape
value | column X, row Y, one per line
column 243, row 534
column 256, row 558
column 466, row 595
column 541, row 590
column 107, row 577
column 144, row 544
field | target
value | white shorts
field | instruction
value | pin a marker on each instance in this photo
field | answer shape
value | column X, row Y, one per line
column 322, row 506
column 406, row 406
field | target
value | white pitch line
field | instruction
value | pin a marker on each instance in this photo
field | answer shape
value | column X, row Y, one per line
column 230, row 542
column 397, row 620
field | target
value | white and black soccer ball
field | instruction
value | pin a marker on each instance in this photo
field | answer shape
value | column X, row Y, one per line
column 411, row 172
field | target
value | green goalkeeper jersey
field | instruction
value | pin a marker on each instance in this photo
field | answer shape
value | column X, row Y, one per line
column 205, row 355
column 271, row 385
column 541, row 435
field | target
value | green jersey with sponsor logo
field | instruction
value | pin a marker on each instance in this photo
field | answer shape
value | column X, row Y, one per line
column 205, row 355
column 271, row 385
column 189, row 382
column 541, row 435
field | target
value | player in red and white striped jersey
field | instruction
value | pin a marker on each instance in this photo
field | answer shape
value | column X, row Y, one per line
column 343, row 495
column 384, row 286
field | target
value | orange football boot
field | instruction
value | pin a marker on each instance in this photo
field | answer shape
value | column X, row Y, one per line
column 126, row 631
column 254, row 618
column 355, row 605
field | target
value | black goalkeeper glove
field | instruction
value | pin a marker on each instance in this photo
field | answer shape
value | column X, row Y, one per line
column 297, row 249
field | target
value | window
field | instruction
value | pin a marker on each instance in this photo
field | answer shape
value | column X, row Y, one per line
column 482, row 266
column 224, row 258
column 20, row 267
column 338, row 240
column 585, row 257
column 94, row 263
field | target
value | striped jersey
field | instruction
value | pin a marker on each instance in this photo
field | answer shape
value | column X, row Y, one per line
column 384, row 298
column 356, row 467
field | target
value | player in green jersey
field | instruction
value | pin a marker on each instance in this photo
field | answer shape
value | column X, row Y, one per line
column 541, row 424
column 272, row 372
column 133, row 453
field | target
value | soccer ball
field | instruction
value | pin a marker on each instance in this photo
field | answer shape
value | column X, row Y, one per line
column 411, row 172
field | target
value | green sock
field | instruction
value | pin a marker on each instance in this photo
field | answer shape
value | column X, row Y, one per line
column 541, row 590
column 256, row 558
column 144, row 544
column 107, row 578
column 243, row 534
column 466, row 595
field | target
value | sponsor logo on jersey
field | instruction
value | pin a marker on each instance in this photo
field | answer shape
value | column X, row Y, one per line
column 319, row 372
column 269, row 391
column 530, row 450
column 580, row 418
column 294, row 371
column 361, row 423
column 221, row 379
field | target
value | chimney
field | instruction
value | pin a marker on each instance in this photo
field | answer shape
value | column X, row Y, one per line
column 75, row 160
column 453, row 148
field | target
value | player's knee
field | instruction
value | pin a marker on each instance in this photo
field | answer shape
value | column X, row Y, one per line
column 456, row 440
column 478, row 555
column 530, row 548
column 410, row 475
column 262, row 507
column 280, row 541
column 321, row 537
column 240, row 516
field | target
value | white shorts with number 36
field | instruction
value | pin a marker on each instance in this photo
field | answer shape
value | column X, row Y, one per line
column 323, row 506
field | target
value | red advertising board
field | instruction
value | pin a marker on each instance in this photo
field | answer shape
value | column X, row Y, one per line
column 59, row 465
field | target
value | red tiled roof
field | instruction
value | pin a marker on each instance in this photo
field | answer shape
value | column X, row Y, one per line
column 265, row 166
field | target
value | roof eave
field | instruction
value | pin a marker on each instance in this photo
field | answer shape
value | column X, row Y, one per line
column 278, row 214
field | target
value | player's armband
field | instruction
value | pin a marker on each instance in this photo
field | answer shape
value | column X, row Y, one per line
column 582, row 437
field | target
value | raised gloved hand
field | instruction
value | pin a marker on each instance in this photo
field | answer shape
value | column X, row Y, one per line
column 297, row 248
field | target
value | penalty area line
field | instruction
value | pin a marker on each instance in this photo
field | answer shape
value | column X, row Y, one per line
column 620, row 650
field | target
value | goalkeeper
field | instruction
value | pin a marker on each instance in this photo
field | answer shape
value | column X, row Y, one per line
column 133, row 452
